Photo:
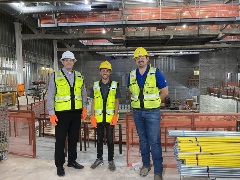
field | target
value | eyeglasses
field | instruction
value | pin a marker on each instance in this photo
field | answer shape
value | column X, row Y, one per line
column 68, row 60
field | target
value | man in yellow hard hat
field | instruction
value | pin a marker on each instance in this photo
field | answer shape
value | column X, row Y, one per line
column 104, row 113
column 66, row 102
column 148, row 87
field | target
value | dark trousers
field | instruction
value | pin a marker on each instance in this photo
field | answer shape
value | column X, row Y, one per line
column 68, row 124
column 100, row 137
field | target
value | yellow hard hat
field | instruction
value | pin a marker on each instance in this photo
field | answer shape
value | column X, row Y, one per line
column 105, row 65
column 140, row 51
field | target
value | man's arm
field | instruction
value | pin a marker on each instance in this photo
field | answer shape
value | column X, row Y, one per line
column 92, row 108
column 116, row 107
column 117, row 97
column 163, row 93
column 84, row 96
column 51, row 95
column 128, row 95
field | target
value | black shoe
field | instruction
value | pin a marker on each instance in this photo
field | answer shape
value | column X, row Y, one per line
column 60, row 171
column 75, row 165
column 98, row 162
column 111, row 166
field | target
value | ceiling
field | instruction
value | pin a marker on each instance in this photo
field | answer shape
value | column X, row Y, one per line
column 116, row 28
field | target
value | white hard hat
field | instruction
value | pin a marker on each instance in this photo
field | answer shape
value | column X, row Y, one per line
column 68, row 55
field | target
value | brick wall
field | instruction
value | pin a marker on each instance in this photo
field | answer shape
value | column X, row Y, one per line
column 89, row 63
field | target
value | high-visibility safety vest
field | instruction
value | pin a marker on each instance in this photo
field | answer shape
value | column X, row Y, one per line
column 64, row 99
column 150, row 92
column 110, row 102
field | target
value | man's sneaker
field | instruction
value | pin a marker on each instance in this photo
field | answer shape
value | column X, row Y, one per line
column 98, row 162
column 144, row 171
column 158, row 177
column 111, row 166
column 75, row 165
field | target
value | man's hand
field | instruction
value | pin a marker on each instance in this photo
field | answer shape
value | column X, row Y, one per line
column 114, row 120
column 53, row 119
column 94, row 121
column 84, row 114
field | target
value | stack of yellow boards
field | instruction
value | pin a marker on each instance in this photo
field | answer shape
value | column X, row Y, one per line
column 211, row 154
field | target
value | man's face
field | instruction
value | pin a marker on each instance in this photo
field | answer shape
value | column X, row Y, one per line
column 68, row 63
column 141, row 61
column 105, row 73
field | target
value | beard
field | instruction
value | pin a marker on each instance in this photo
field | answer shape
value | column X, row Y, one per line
column 141, row 63
column 105, row 77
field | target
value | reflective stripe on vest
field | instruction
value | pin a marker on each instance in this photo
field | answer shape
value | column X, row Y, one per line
column 101, row 111
column 63, row 100
column 150, row 90
column 98, row 101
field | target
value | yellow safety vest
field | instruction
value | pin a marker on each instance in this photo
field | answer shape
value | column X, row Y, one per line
column 151, row 96
column 98, row 101
column 63, row 101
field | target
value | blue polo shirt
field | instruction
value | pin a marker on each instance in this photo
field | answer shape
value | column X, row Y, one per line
column 161, row 81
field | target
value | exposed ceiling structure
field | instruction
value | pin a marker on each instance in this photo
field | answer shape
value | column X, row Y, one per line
column 116, row 28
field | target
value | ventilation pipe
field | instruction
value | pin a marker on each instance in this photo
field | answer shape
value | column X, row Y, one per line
column 69, row 8
column 12, row 10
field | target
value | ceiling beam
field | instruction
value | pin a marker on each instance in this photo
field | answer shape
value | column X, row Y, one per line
column 82, row 36
column 110, row 35
column 151, row 23
column 156, row 48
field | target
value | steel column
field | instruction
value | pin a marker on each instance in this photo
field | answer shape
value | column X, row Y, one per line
column 55, row 61
column 19, row 67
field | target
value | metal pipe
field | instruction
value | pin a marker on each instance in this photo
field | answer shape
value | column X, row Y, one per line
column 183, row 133
column 68, row 8
column 212, row 171
column 16, row 12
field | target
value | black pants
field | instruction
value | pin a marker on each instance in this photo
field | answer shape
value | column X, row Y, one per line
column 68, row 124
column 110, row 142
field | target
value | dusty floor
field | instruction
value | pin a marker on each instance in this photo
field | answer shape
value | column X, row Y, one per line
column 27, row 168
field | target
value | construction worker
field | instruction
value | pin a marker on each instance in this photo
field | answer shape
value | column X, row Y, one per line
column 104, row 113
column 148, row 87
column 66, row 102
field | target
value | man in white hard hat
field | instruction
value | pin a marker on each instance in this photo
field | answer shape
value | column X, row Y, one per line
column 66, row 103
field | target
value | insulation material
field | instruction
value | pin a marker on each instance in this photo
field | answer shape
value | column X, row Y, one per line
column 3, row 132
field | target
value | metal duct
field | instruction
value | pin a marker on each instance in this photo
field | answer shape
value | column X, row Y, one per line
column 12, row 10
column 69, row 8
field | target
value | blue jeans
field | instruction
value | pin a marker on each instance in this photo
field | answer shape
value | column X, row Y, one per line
column 148, row 128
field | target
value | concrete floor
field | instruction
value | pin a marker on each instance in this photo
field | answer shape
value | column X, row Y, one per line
column 27, row 168
column 42, row 167
column 19, row 167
